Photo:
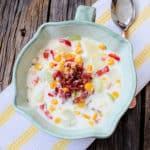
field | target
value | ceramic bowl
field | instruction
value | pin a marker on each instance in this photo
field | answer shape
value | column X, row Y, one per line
column 83, row 26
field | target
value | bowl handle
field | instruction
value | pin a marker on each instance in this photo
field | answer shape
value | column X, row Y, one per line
column 85, row 13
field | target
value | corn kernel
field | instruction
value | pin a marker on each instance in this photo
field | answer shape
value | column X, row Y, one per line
column 51, row 108
column 110, row 62
column 61, row 53
column 77, row 112
column 58, row 58
column 102, row 46
column 65, row 89
column 101, row 114
column 62, row 62
column 115, row 94
column 53, row 84
column 86, row 116
column 91, row 123
column 51, row 64
column 89, row 68
column 78, row 44
column 118, row 81
column 95, row 116
column 68, row 55
column 89, row 87
column 78, row 60
column 81, row 104
column 54, row 101
column 78, row 50
column 57, row 120
column 38, row 66
column 104, row 78
column 61, row 65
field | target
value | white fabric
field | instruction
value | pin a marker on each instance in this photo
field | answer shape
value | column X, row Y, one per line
column 11, row 130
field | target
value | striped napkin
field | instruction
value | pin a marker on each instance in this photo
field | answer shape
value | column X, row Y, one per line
column 17, row 132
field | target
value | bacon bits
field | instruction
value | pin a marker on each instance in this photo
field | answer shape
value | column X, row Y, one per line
column 46, row 55
column 73, row 79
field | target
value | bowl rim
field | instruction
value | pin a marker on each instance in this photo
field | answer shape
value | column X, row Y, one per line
column 93, row 134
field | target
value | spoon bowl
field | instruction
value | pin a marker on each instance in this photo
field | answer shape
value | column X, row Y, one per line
column 123, row 13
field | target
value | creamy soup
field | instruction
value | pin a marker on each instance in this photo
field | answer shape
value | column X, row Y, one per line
column 74, row 82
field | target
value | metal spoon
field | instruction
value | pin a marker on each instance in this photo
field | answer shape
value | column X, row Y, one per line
column 123, row 15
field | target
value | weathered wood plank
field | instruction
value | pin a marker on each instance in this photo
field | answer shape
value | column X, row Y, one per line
column 58, row 10
column 14, row 16
column 65, row 9
column 147, row 120
column 89, row 2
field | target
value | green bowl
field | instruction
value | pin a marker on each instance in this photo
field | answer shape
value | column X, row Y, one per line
column 81, row 25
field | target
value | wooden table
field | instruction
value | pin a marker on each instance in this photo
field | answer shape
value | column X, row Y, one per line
column 19, row 19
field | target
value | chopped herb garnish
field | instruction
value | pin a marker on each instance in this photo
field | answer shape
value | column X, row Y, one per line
column 74, row 37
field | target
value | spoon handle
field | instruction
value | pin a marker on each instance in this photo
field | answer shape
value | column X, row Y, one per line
column 124, row 34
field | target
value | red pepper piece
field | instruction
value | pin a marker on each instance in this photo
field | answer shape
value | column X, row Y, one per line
column 57, row 74
column 52, row 53
column 47, row 114
column 102, row 71
column 114, row 56
column 36, row 81
column 70, row 59
column 50, row 94
column 66, row 42
column 42, row 106
column 45, row 55
column 96, row 121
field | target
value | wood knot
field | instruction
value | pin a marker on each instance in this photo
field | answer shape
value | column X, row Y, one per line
column 23, row 32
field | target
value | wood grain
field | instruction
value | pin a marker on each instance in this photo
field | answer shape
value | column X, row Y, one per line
column 16, row 15
column 19, row 19
column 147, row 120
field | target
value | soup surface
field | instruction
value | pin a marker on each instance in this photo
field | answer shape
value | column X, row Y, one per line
column 74, row 82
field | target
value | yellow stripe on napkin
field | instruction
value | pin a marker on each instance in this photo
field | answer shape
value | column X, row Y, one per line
column 23, row 139
column 139, row 20
column 142, row 57
column 104, row 17
column 61, row 145
column 6, row 114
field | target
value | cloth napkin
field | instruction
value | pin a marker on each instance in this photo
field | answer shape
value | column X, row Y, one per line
column 16, row 132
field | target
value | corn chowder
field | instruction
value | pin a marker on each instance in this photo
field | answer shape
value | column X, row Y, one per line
column 74, row 82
